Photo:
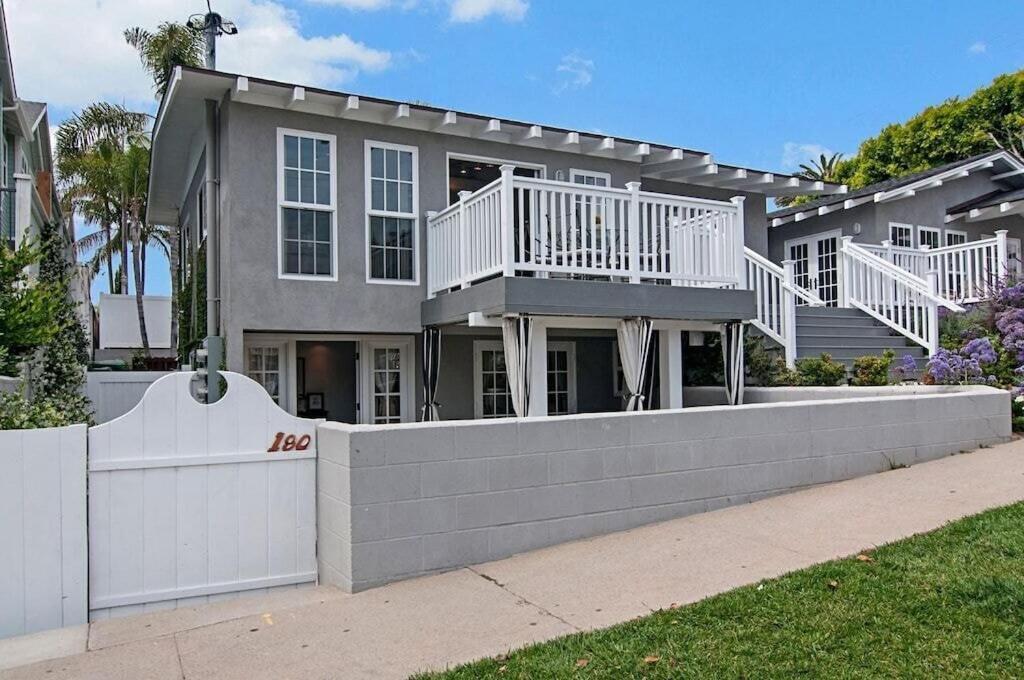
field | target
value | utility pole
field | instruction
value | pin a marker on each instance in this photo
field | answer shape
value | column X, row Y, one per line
column 213, row 26
column 208, row 360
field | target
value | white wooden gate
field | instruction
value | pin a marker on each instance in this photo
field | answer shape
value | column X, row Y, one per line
column 189, row 502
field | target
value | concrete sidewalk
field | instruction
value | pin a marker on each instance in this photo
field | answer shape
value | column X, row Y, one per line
column 443, row 620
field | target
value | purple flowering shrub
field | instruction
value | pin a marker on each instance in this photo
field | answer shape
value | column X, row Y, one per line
column 905, row 368
column 965, row 366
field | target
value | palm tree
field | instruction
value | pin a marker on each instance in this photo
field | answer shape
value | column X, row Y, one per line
column 160, row 51
column 86, row 145
column 133, row 178
column 824, row 169
column 171, row 45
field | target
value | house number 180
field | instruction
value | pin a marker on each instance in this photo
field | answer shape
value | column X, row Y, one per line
column 289, row 442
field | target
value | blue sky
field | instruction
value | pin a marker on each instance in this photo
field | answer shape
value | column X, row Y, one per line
column 758, row 84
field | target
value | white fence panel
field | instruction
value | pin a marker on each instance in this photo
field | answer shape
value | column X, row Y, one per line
column 42, row 529
column 189, row 501
column 114, row 393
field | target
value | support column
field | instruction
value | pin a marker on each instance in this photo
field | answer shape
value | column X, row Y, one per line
column 670, row 368
column 538, row 381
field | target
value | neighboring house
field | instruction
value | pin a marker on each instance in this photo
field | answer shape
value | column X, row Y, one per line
column 955, row 229
column 948, row 205
column 352, row 234
column 119, row 333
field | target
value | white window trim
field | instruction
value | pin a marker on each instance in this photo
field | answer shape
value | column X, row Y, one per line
column 284, row 394
column 952, row 232
column 406, row 359
column 923, row 229
column 902, row 225
column 479, row 346
column 452, row 155
column 414, row 215
column 575, row 172
column 332, row 207
column 570, row 349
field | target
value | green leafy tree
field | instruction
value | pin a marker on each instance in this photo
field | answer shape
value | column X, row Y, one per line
column 27, row 308
column 990, row 118
column 170, row 45
column 58, row 375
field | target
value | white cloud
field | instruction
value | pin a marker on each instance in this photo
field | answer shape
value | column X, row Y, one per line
column 978, row 48
column 84, row 58
column 574, row 73
column 354, row 4
column 467, row 11
column 795, row 153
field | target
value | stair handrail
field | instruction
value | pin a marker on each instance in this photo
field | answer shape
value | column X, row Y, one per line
column 898, row 274
column 804, row 294
column 775, row 295
column 902, row 301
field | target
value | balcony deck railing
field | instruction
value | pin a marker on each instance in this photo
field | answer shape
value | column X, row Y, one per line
column 965, row 272
column 525, row 226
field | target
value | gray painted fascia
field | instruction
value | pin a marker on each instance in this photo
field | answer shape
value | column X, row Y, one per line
column 562, row 297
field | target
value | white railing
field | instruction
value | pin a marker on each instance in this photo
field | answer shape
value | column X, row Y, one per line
column 521, row 224
column 775, row 299
column 906, row 303
column 966, row 272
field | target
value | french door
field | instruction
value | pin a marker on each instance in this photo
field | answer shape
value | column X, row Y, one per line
column 816, row 264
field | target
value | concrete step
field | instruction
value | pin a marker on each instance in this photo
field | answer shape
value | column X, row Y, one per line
column 864, row 341
column 831, row 312
column 842, row 331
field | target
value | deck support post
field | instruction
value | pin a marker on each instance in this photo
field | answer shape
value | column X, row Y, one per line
column 538, row 378
column 670, row 368
column 932, row 310
column 1002, row 256
column 788, row 313
column 463, row 239
column 740, row 249
column 507, row 198
column 634, row 231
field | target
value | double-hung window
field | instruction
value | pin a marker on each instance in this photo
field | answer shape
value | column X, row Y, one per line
column 901, row 235
column 307, row 172
column 929, row 236
column 392, row 201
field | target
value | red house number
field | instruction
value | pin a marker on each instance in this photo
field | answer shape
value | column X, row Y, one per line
column 289, row 442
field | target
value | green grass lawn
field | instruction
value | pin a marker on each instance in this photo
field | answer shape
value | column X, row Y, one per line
column 945, row 604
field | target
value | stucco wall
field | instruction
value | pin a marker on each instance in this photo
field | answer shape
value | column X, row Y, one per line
column 255, row 299
column 400, row 501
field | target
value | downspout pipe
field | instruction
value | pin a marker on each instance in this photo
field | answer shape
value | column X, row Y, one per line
column 212, row 179
column 214, row 343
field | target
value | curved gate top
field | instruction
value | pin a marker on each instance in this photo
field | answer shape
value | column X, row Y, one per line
column 189, row 501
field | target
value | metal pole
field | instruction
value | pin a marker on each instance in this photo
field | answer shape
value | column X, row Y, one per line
column 210, row 33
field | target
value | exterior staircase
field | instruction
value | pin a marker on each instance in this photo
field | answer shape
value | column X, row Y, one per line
column 848, row 333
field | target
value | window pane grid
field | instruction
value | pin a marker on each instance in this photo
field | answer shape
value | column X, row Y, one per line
column 387, row 385
column 307, row 242
column 265, row 368
column 307, row 170
column 497, row 398
column 392, row 214
column 307, row 212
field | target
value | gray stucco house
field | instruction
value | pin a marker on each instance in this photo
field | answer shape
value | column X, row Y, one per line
column 350, row 236
column 946, row 206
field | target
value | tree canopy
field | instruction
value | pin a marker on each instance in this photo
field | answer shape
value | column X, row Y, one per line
column 990, row 118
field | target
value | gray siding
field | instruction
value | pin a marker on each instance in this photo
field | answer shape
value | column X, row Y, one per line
column 927, row 208
column 255, row 299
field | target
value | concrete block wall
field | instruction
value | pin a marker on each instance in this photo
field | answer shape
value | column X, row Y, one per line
column 400, row 501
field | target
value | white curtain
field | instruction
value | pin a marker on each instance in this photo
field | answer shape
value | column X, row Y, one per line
column 732, row 355
column 517, row 333
column 634, row 348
